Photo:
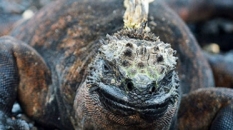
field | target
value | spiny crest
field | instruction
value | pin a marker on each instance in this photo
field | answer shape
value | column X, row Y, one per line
column 135, row 57
column 136, row 13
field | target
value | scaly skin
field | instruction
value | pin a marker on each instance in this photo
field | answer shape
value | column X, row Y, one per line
column 71, row 81
column 207, row 109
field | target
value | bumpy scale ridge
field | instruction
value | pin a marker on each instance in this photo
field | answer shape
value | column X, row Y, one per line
column 134, row 56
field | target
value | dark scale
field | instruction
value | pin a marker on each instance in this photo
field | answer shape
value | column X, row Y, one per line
column 159, row 58
column 128, row 52
column 141, row 65
column 129, row 45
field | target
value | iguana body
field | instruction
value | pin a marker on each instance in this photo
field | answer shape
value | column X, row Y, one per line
column 64, row 82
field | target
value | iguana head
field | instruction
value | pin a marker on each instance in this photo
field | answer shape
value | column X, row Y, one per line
column 131, row 81
column 134, row 75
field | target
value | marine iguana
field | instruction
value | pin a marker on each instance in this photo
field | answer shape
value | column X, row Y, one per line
column 126, row 80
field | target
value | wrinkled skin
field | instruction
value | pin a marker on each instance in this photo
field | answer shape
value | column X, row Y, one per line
column 52, row 75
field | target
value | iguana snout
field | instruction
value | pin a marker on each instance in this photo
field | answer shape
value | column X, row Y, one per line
column 150, row 101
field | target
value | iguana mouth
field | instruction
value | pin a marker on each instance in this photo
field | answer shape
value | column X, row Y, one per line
column 119, row 103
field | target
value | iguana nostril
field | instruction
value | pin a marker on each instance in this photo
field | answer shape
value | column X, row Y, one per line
column 129, row 86
column 152, row 90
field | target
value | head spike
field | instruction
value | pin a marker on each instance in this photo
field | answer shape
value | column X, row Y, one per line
column 136, row 13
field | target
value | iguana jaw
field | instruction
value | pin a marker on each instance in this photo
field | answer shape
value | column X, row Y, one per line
column 119, row 103
column 89, row 107
column 148, row 105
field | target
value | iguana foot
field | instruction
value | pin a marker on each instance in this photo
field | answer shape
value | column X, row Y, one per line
column 9, row 123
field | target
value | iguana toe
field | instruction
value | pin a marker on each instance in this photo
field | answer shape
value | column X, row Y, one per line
column 8, row 123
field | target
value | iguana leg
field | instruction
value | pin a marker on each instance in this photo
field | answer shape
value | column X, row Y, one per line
column 25, row 76
column 206, row 109
column 224, row 119
column 8, row 84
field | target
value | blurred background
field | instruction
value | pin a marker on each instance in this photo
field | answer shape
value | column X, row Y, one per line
column 211, row 21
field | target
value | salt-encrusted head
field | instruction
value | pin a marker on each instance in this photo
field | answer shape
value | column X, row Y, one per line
column 139, row 60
